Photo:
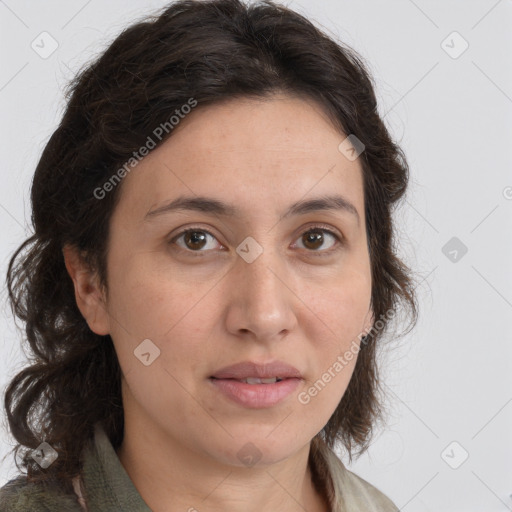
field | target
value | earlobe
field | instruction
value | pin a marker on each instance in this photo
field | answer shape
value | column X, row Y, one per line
column 88, row 293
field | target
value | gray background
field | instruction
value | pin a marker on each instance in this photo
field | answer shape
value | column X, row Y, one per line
column 450, row 380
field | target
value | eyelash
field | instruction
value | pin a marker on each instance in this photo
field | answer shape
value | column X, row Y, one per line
column 340, row 240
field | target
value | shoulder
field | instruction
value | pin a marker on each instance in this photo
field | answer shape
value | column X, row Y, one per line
column 364, row 491
column 351, row 492
column 22, row 495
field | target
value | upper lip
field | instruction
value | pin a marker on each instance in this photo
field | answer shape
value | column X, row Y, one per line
column 261, row 371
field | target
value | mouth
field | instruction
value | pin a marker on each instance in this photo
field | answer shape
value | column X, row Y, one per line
column 249, row 370
column 254, row 393
column 256, row 380
column 256, row 386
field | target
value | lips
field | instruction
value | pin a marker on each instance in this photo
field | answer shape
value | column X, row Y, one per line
column 251, row 372
column 254, row 396
column 257, row 386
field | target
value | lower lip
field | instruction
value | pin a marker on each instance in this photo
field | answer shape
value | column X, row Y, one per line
column 256, row 396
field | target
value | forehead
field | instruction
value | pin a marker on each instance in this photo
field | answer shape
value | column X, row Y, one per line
column 260, row 151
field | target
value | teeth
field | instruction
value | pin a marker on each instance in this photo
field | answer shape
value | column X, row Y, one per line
column 255, row 380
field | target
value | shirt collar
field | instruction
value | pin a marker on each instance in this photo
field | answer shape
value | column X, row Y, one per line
column 107, row 484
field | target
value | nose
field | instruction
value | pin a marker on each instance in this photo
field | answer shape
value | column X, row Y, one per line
column 262, row 304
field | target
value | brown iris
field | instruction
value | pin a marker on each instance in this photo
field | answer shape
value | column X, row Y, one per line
column 314, row 237
column 196, row 238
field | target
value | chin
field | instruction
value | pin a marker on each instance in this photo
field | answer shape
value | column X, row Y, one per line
column 260, row 449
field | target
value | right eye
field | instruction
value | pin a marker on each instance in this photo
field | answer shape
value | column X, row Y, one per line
column 194, row 240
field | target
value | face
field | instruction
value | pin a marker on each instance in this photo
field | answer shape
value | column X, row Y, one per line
column 261, row 284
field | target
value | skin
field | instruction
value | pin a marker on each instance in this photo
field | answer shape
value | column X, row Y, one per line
column 291, row 304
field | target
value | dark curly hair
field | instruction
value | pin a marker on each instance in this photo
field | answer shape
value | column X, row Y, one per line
column 211, row 50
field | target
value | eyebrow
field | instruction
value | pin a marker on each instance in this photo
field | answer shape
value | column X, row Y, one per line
column 216, row 207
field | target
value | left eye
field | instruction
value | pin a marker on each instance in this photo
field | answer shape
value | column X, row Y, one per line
column 196, row 239
column 315, row 237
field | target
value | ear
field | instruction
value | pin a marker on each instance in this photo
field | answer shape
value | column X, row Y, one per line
column 88, row 292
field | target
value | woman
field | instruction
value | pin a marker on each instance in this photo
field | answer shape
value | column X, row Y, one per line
column 210, row 275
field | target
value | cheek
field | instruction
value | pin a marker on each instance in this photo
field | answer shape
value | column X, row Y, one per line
column 340, row 306
column 176, row 313
column 337, row 317
column 320, row 397
column 148, row 299
column 147, row 305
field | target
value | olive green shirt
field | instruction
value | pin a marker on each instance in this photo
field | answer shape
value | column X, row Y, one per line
column 105, row 486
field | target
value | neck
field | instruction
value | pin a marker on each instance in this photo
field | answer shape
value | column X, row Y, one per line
column 169, row 476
